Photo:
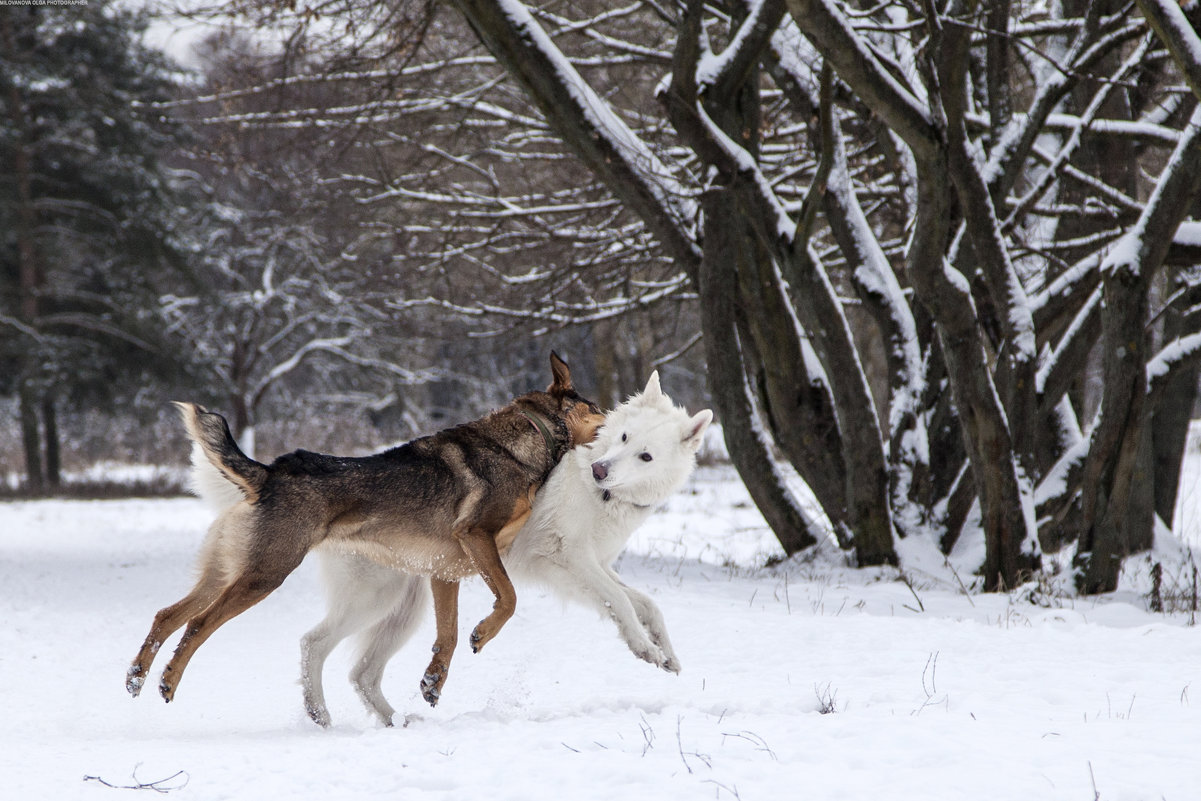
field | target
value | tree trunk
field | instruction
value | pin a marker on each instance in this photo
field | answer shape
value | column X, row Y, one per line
column 512, row 40
column 35, row 476
column 241, row 422
column 981, row 419
column 1172, row 417
column 1169, row 433
column 1114, row 459
column 605, row 361
column 54, row 471
column 28, row 270
column 746, row 442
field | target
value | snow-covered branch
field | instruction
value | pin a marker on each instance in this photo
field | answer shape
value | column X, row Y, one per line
column 1174, row 29
column 587, row 122
column 830, row 32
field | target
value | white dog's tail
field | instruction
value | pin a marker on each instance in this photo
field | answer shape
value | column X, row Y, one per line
column 210, row 484
column 221, row 474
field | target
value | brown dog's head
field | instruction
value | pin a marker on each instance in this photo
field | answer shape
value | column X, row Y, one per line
column 560, row 401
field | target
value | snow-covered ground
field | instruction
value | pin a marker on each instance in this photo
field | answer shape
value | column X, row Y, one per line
column 804, row 680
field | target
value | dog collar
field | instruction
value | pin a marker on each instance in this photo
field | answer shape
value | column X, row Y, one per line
column 552, row 446
column 607, row 496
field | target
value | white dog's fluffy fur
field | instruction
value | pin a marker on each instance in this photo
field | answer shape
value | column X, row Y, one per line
column 581, row 520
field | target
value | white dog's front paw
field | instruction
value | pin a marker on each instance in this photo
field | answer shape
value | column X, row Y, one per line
column 647, row 651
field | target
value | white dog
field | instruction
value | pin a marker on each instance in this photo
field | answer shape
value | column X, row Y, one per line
column 581, row 520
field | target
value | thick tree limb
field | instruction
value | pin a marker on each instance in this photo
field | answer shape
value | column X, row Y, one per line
column 830, row 32
column 587, row 124
column 793, row 526
column 817, row 305
column 1128, row 271
column 1173, row 28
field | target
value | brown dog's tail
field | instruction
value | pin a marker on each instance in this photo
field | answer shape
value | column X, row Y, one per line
column 211, row 436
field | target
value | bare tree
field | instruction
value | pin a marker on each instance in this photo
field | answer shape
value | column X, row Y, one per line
column 975, row 135
column 466, row 205
column 275, row 295
column 939, row 256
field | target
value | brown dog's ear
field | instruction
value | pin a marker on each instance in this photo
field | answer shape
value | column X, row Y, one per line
column 562, row 373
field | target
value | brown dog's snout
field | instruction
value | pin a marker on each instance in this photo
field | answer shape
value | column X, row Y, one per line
column 600, row 470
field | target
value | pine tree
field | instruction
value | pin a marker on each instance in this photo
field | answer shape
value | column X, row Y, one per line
column 86, row 213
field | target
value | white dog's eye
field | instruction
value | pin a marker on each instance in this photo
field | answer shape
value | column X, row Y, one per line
column 646, row 457
column 623, row 437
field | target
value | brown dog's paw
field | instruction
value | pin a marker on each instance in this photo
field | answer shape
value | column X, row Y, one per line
column 480, row 637
column 166, row 685
column 431, row 685
column 134, row 680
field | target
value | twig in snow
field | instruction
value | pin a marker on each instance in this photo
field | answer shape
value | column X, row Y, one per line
column 908, row 582
column 962, row 586
column 684, row 756
column 930, row 689
column 755, row 740
column 158, row 786
column 827, row 701
column 732, row 791
column 648, row 734
column 932, row 667
column 680, row 746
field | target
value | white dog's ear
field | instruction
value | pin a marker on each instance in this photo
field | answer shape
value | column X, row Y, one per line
column 694, row 430
column 652, row 390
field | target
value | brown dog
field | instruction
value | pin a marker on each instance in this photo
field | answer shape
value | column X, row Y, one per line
column 441, row 506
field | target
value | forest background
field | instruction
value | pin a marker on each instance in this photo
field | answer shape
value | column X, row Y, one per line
column 937, row 263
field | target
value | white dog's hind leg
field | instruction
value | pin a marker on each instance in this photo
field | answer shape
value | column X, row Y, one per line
column 385, row 638
column 359, row 594
column 650, row 617
column 315, row 648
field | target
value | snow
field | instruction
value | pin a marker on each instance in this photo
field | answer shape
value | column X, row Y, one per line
column 1189, row 233
column 1174, row 352
column 1126, row 254
column 712, row 65
column 935, row 694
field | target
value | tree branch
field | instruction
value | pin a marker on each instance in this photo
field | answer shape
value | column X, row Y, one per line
column 587, row 123
column 1173, row 28
column 830, row 32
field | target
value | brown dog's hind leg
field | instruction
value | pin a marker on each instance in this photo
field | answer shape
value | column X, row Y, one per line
column 446, row 613
column 166, row 623
column 480, row 547
column 253, row 585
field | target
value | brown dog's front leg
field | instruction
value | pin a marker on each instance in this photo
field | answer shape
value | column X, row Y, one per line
column 446, row 613
column 481, row 549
